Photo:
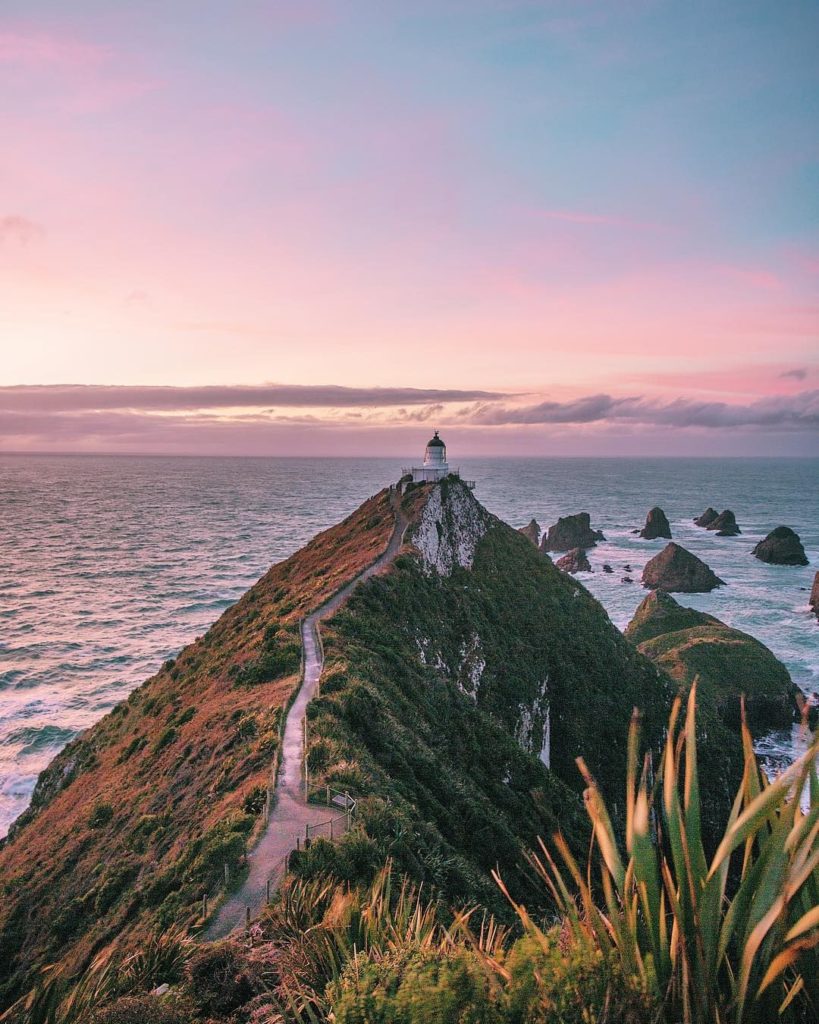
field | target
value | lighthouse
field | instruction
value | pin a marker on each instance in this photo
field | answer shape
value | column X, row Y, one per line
column 435, row 466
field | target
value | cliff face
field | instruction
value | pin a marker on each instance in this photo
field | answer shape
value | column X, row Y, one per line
column 459, row 686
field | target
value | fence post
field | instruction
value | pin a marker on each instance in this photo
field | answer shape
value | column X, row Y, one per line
column 247, row 918
column 328, row 794
column 227, row 874
column 347, row 807
column 268, row 890
column 331, row 829
column 205, row 907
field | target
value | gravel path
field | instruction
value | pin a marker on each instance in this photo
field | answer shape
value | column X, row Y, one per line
column 291, row 814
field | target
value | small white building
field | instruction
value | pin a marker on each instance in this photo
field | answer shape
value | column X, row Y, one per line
column 435, row 466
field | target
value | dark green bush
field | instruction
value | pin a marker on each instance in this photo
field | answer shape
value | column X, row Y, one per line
column 141, row 1010
column 413, row 986
column 101, row 814
column 220, row 979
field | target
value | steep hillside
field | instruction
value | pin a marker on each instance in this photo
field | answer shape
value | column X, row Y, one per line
column 460, row 684
column 136, row 818
column 439, row 674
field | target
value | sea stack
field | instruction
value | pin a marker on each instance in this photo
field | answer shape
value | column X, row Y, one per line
column 782, row 546
column 813, row 600
column 571, row 532
column 708, row 516
column 675, row 569
column 532, row 531
column 725, row 524
column 656, row 525
column 575, row 561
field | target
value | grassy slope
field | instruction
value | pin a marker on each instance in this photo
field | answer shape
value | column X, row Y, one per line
column 135, row 819
column 462, row 797
column 687, row 643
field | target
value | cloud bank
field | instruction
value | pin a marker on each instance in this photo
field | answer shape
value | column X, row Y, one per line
column 275, row 418
column 90, row 397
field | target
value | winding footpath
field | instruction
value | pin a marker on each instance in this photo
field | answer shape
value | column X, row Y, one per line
column 291, row 813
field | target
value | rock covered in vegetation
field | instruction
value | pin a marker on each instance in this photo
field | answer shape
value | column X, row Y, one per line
column 460, row 684
column 813, row 600
column 532, row 531
column 782, row 546
column 571, row 532
column 675, row 569
column 690, row 644
column 656, row 525
column 575, row 561
column 725, row 524
column 707, row 517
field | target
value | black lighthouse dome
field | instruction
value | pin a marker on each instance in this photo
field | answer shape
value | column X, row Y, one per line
column 436, row 442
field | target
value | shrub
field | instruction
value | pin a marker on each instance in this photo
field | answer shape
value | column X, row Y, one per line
column 141, row 1010
column 415, row 985
column 707, row 951
column 220, row 979
column 101, row 814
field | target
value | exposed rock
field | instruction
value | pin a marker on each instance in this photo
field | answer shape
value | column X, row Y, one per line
column 725, row 524
column 607, row 568
column 781, row 547
column 626, row 568
column 675, row 569
column 689, row 644
column 813, row 600
column 708, row 516
column 532, row 531
column 575, row 561
column 656, row 525
column 627, row 579
column 571, row 532
column 450, row 528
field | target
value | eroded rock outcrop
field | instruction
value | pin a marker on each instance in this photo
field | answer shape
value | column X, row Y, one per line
column 707, row 517
column 813, row 600
column 657, row 525
column 574, row 561
column 532, row 531
column 450, row 527
column 782, row 546
column 725, row 524
column 571, row 532
column 675, row 569
column 690, row 644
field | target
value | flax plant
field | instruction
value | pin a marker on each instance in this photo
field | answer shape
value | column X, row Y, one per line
column 712, row 945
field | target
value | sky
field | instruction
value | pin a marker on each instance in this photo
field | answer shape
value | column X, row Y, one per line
column 330, row 226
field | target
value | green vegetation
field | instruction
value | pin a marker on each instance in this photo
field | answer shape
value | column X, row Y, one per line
column 433, row 743
column 729, row 664
column 650, row 929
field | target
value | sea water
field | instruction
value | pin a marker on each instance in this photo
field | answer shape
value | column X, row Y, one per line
column 110, row 564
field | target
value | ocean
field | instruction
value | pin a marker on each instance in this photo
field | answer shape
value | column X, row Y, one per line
column 110, row 564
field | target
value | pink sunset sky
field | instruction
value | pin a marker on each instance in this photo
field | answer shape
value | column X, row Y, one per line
column 326, row 227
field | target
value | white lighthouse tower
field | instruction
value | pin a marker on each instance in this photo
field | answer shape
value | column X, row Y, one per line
column 435, row 466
